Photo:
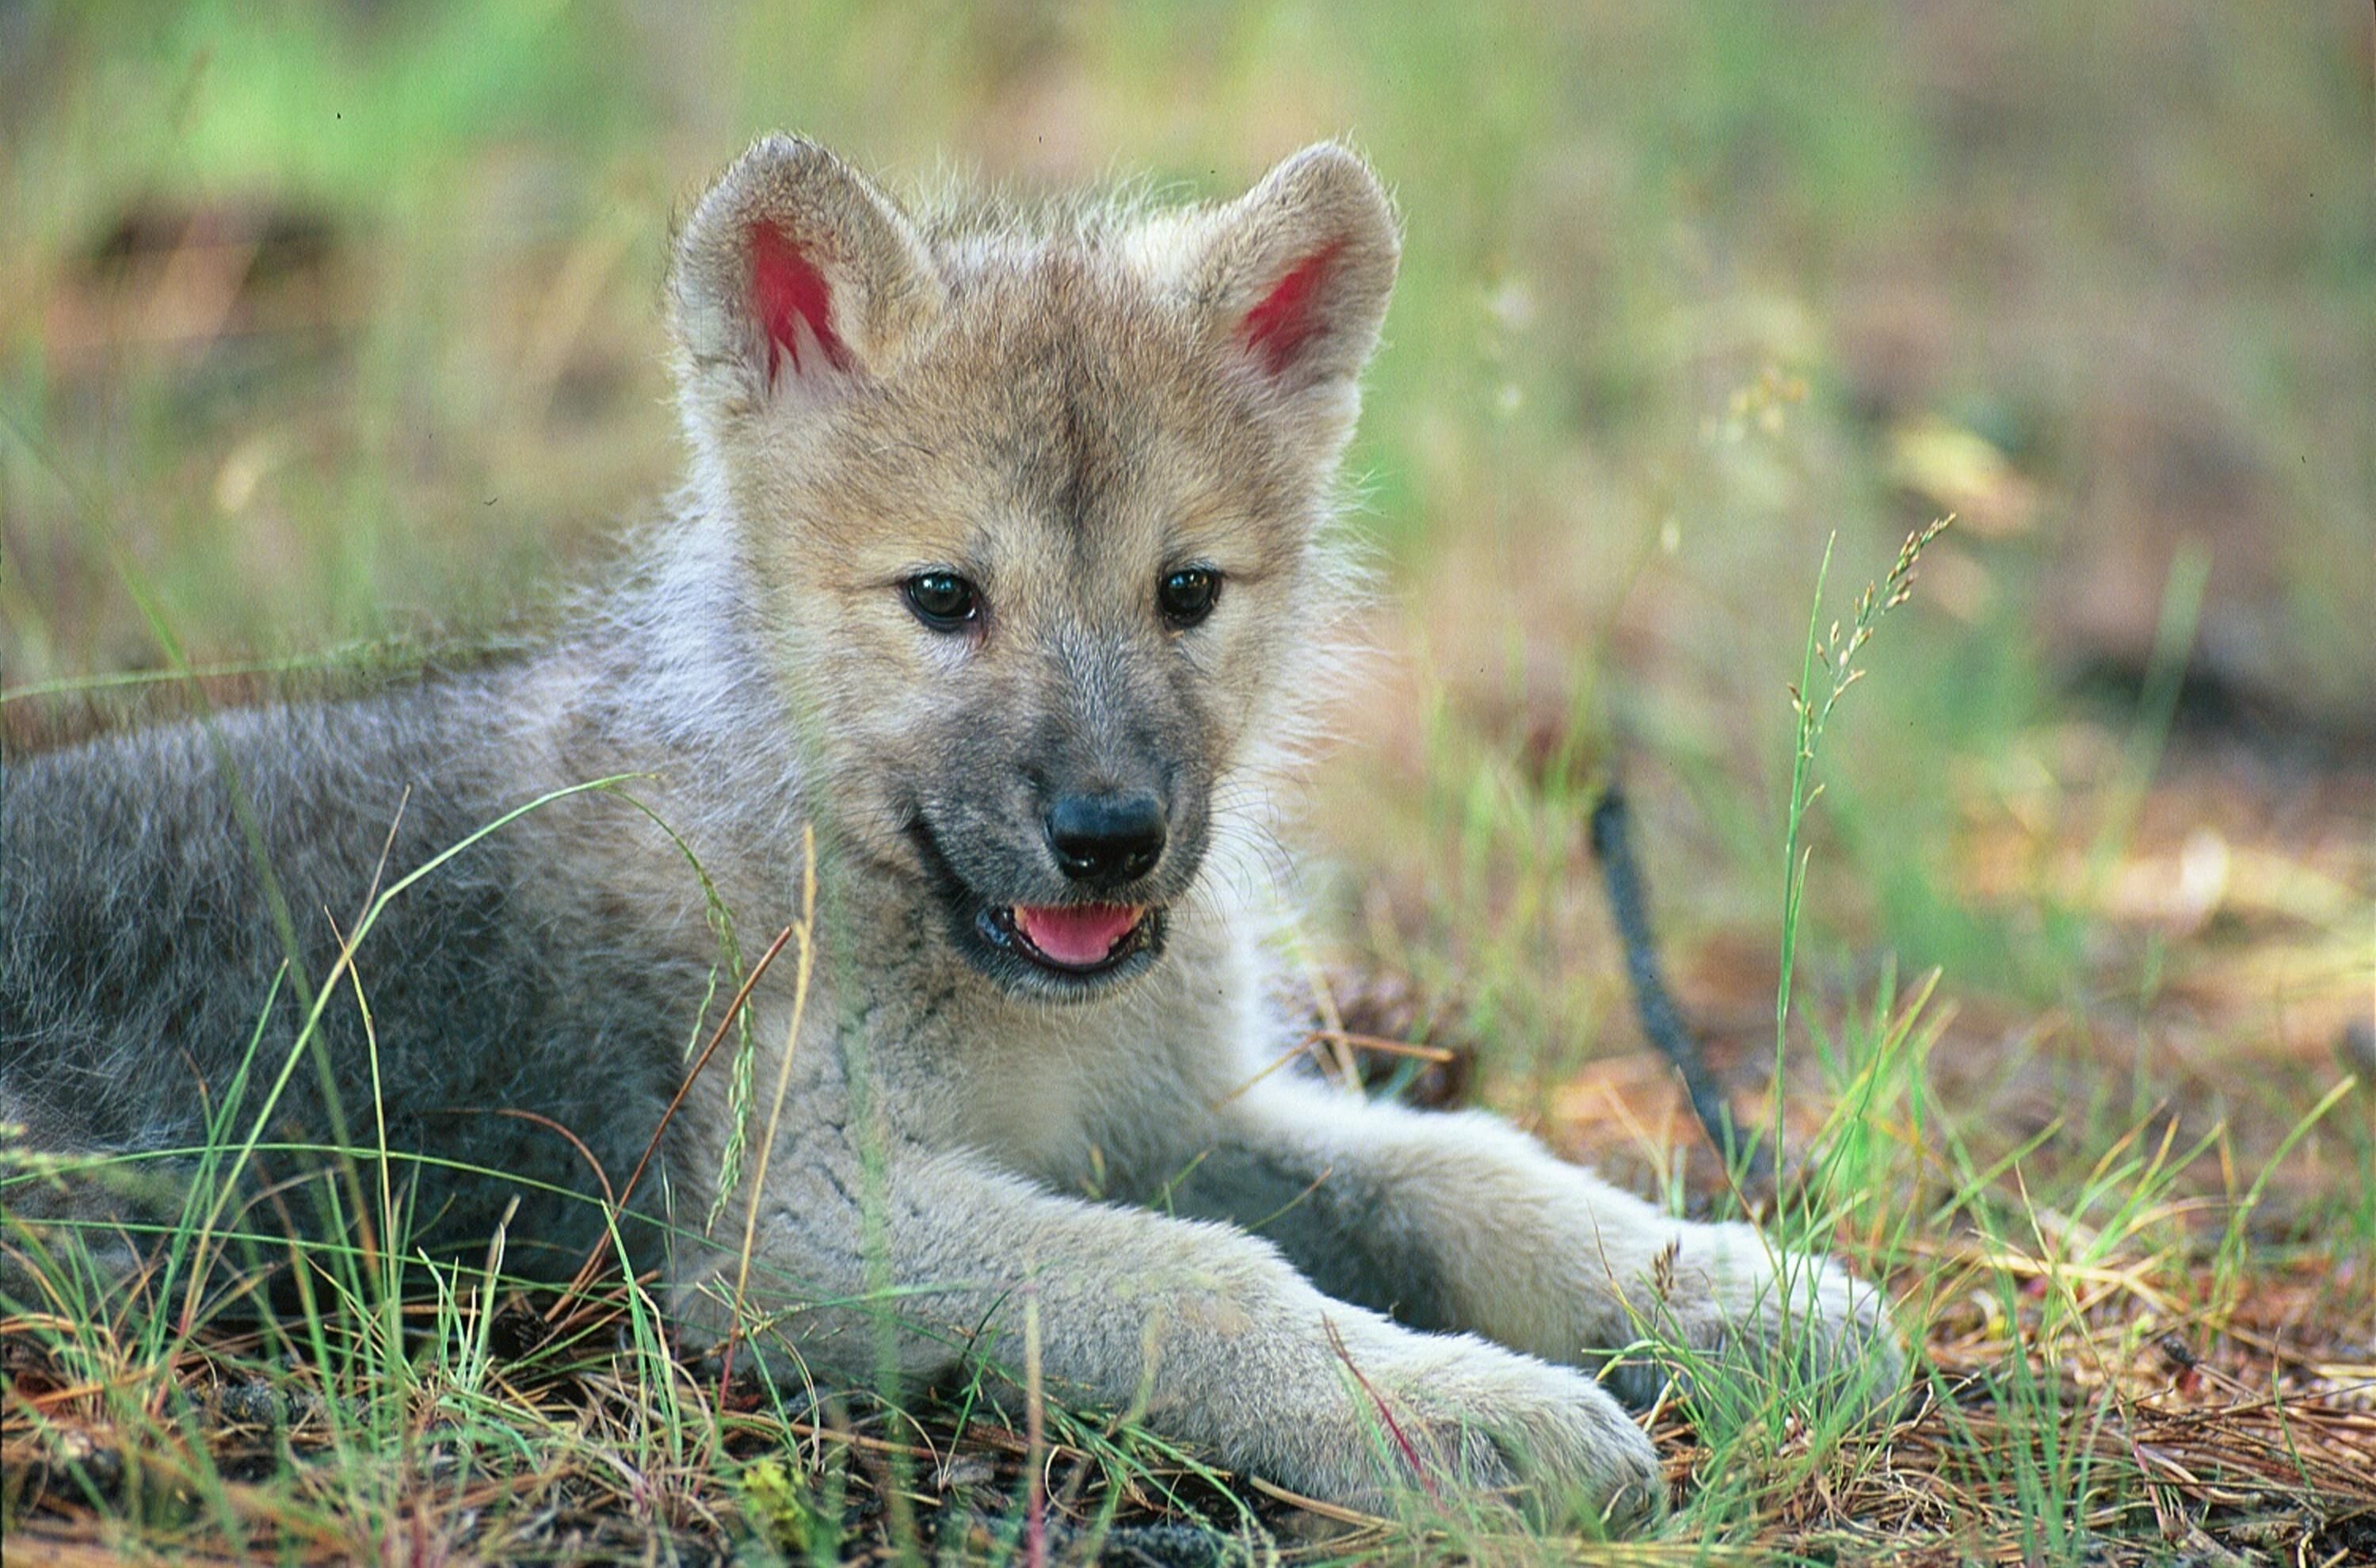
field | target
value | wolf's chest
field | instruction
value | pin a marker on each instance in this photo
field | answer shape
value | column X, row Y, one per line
column 1100, row 1110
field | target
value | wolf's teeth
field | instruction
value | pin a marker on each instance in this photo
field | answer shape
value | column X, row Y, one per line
column 995, row 926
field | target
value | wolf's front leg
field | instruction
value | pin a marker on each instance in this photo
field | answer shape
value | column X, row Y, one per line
column 1228, row 1346
column 1463, row 1222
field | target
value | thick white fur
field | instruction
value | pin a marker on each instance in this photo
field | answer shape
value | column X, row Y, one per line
column 947, row 1146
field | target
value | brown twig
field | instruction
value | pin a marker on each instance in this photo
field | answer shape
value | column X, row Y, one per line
column 586, row 1271
column 1385, row 1413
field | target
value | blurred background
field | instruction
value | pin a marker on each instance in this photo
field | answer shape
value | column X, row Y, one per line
column 330, row 337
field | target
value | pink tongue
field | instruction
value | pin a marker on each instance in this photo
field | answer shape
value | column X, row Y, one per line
column 1075, row 933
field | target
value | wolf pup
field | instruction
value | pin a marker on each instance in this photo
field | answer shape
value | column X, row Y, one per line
column 998, row 579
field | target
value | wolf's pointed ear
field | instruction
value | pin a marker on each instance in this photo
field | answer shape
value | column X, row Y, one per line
column 1296, row 273
column 793, row 280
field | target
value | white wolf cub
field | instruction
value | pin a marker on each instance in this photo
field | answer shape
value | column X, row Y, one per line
column 1002, row 566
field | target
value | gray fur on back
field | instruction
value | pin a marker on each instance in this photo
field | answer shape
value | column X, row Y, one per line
column 138, row 943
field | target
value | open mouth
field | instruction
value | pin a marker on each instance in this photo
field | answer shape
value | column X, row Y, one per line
column 1071, row 939
column 1058, row 952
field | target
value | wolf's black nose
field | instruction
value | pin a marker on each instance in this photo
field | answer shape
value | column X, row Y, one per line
column 1109, row 837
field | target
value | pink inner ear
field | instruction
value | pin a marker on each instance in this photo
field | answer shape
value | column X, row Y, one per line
column 1289, row 316
column 786, row 289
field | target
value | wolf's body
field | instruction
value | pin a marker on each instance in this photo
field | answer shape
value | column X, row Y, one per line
column 936, row 590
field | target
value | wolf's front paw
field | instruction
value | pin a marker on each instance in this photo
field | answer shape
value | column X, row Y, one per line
column 1800, row 1321
column 1477, row 1417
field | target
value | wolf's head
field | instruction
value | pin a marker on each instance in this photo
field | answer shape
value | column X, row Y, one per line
column 1028, row 509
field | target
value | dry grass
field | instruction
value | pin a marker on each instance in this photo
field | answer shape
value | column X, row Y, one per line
column 2163, row 1413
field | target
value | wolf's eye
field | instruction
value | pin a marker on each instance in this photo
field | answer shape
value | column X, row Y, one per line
column 1187, row 595
column 942, row 600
